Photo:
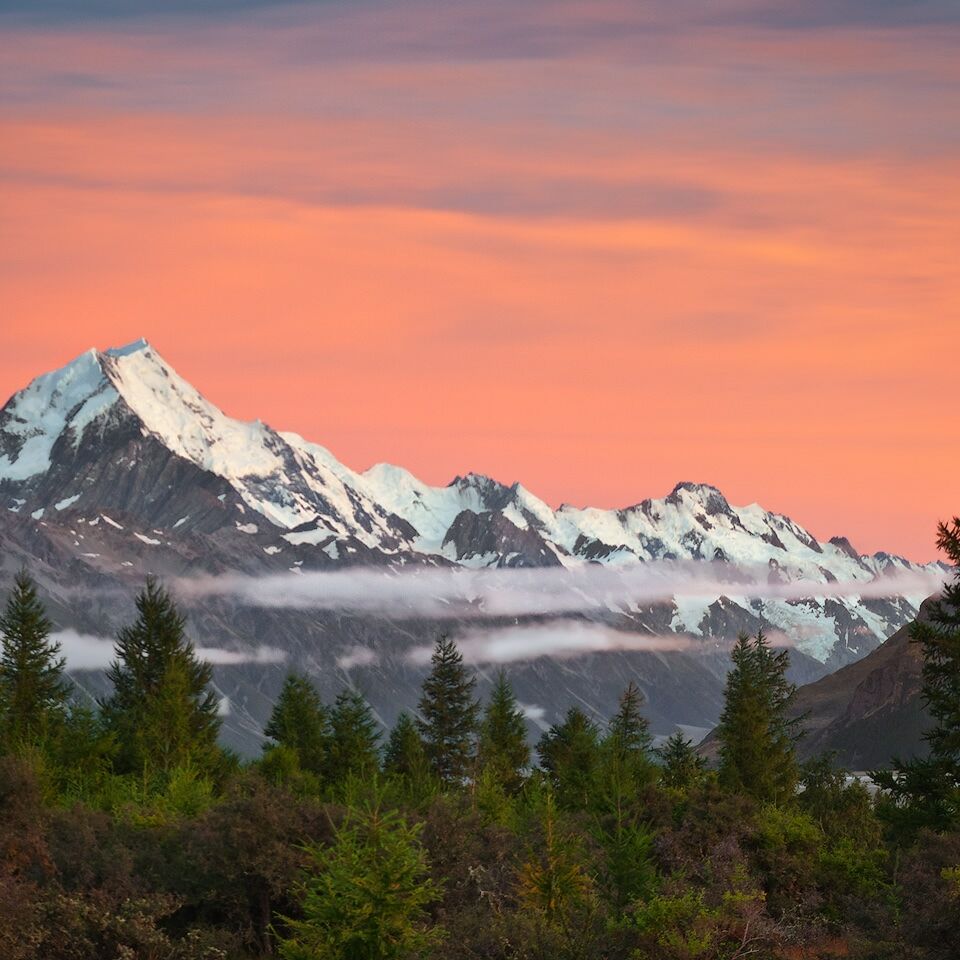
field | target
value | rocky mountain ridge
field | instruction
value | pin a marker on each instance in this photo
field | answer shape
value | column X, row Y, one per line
column 114, row 466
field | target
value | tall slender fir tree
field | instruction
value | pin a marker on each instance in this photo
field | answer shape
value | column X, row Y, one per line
column 403, row 754
column 354, row 738
column 757, row 737
column 33, row 689
column 300, row 721
column 162, row 711
column 569, row 752
column 629, row 731
column 503, row 748
column 448, row 713
column 681, row 764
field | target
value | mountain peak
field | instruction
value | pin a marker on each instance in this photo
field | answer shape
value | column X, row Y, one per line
column 137, row 346
column 709, row 496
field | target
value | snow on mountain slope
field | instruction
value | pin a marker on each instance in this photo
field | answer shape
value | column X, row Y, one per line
column 287, row 480
column 58, row 403
column 311, row 500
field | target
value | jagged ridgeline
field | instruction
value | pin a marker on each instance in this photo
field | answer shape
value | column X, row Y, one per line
column 114, row 467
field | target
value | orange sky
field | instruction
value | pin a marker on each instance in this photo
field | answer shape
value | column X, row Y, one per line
column 591, row 249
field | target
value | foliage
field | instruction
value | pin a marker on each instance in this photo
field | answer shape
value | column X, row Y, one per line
column 503, row 749
column 684, row 925
column 354, row 738
column 448, row 713
column 756, row 735
column 299, row 721
column 681, row 765
column 308, row 852
column 162, row 712
column 554, row 887
column 925, row 792
column 33, row 689
column 569, row 754
column 365, row 896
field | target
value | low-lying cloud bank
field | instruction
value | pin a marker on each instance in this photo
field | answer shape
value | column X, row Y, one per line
column 86, row 651
column 561, row 640
column 464, row 594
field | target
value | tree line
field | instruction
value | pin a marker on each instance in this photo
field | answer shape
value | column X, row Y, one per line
column 127, row 831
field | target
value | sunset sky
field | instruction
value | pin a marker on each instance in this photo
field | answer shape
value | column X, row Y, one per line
column 597, row 247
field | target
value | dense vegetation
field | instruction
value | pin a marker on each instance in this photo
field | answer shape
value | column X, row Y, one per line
column 126, row 832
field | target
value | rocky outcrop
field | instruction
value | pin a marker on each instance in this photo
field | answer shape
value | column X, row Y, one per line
column 870, row 711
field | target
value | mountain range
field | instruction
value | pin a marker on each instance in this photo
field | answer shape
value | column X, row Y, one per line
column 113, row 467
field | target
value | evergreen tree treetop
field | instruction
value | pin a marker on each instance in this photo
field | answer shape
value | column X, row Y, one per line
column 682, row 765
column 503, row 744
column 403, row 753
column 448, row 712
column 354, row 738
column 629, row 730
column 569, row 753
column 299, row 720
column 33, row 689
column 366, row 894
column 162, row 710
column 757, row 738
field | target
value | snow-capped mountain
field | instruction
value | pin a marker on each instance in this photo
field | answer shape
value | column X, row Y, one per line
column 114, row 465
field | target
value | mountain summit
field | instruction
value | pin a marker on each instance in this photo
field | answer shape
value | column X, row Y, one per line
column 114, row 466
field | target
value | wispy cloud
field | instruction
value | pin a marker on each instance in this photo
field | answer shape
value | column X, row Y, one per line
column 85, row 651
column 357, row 657
column 560, row 639
column 475, row 594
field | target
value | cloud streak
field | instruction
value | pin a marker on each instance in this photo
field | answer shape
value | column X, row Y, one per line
column 85, row 651
column 476, row 594
column 560, row 640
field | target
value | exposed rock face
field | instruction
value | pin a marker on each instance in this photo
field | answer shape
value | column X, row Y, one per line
column 491, row 535
column 114, row 467
column 868, row 711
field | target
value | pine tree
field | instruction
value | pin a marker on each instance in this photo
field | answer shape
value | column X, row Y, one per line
column 555, row 890
column 33, row 690
column 354, row 738
column 757, row 738
column 300, row 721
column 503, row 748
column 162, row 712
column 403, row 754
column 367, row 894
column 626, row 747
column 569, row 753
column 625, row 766
column 629, row 733
column 448, row 713
column 927, row 789
column 682, row 765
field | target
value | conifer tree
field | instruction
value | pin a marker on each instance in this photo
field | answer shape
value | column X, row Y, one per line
column 626, row 746
column 33, row 690
column 448, row 713
column 757, row 738
column 354, row 738
column 629, row 732
column 556, row 891
column 625, row 766
column 162, row 712
column 682, row 765
column 367, row 894
column 503, row 748
column 403, row 754
column 569, row 753
column 927, row 789
column 300, row 721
